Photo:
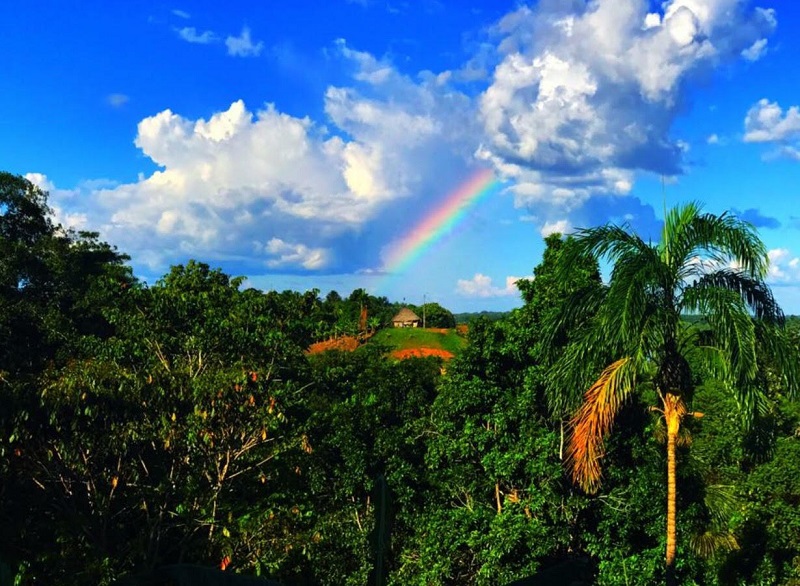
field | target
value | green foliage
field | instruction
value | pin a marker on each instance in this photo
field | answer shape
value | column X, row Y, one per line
column 496, row 510
column 500, row 508
column 52, row 282
column 434, row 315
column 762, row 477
column 365, row 418
column 182, row 423
column 336, row 316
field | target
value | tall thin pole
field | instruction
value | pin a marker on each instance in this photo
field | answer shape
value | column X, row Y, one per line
column 665, row 234
column 423, row 311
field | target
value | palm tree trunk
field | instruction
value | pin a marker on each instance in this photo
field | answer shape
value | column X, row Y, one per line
column 674, row 410
column 671, row 506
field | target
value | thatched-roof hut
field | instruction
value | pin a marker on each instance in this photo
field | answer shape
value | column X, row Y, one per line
column 406, row 319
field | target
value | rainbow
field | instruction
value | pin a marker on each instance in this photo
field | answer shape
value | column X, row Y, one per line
column 441, row 221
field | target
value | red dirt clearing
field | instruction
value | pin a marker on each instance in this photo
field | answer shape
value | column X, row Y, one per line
column 421, row 353
column 345, row 344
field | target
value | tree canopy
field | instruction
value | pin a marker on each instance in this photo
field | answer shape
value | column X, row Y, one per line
column 186, row 422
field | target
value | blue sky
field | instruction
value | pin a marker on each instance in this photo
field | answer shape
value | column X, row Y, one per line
column 295, row 142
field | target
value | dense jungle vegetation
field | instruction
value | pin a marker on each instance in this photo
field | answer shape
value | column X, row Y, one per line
column 182, row 422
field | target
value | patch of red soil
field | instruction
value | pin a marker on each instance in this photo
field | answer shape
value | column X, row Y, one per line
column 421, row 353
column 438, row 330
column 344, row 344
column 462, row 329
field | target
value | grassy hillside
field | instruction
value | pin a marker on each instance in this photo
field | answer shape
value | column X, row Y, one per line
column 413, row 338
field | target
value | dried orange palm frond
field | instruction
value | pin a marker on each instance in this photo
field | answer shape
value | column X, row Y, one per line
column 594, row 420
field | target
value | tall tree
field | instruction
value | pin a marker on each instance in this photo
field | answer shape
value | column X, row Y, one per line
column 25, row 231
column 53, row 282
column 707, row 265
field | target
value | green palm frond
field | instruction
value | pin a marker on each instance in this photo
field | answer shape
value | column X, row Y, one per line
column 581, row 305
column 572, row 373
column 713, row 361
column 635, row 292
column 610, row 241
column 689, row 234
column 721, row 501
column 722, row 504
column 730, row 323
column 751, row 402
column 706, row 544
column 755, row 293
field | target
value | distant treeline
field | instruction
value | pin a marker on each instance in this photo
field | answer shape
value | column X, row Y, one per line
column 468, row 317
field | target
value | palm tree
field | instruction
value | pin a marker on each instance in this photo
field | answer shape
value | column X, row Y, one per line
column 710, row 266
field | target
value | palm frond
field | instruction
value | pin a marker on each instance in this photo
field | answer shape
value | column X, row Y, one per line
column 574, row 349
column 688, row 233
column 722, row 504
column 756, row 295
column 712, row 360
column 635, row 280
column 573, row 315
column 572, row 372
column 706, row 544
column 637, row 289
column 730, row 324
column 721, row 501
column 594, row 420
column 751, row 402
column 609, row 241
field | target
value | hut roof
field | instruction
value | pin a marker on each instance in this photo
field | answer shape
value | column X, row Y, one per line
column 406, row 314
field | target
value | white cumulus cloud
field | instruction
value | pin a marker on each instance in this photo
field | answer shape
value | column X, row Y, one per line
column 284, row 253
column 261, row 186
column 767, row 122
column 586, row 93
column 243, row 45
column 481, row 285
column 59, row 202
column 784, row 267
column 559, row 226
